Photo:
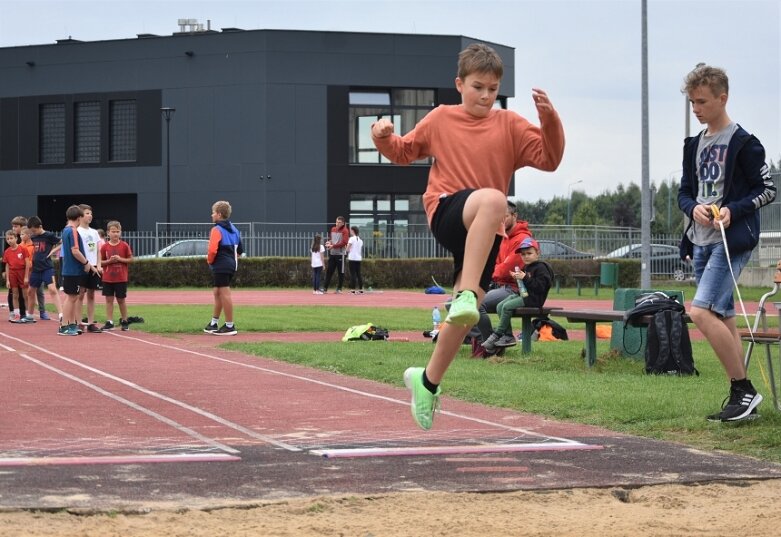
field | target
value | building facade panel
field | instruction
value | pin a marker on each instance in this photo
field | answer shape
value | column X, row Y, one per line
column 262, row 119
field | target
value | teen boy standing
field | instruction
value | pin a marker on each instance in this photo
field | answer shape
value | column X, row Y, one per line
column 74, row 266
column 476, row 149
column 90, row 280
column 115, row 255
column 43, row 269
column 223, row 258
column 723, row 166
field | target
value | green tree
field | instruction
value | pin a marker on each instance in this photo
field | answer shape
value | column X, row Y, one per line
column 586, row 215
column 626, row 206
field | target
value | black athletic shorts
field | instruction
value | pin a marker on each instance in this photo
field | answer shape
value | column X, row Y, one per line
column 117, row 289
column 447, row 226
column 221, row 279
column 90, row 280
column 70, row 284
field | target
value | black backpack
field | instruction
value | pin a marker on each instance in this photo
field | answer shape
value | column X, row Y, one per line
column 669, row 349
column 558, row 331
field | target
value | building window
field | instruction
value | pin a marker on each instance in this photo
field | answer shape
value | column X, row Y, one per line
column 51, row 143
column 122, row 130
column 404, row 107
column 391, row 225
column 86, row 136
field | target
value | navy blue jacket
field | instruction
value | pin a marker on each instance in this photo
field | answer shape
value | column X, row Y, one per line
column 224, row 248
column 747, row 187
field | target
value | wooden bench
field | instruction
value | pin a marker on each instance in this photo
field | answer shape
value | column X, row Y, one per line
column 586, row 278
column 591, row 318
column 527, row 328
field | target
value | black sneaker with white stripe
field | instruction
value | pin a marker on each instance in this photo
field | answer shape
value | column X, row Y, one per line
column 225, row 330
column 211, row 328
column 740, row 405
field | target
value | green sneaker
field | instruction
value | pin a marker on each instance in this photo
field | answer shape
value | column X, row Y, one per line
column 424, row 403
column 463, row 310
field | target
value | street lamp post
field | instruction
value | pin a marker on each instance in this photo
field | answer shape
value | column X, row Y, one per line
column 569, row 200
column 168, row 112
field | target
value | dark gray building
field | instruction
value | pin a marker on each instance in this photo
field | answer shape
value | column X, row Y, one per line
column 276, row 122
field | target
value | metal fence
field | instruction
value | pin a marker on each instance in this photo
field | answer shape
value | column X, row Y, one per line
column 264, row 239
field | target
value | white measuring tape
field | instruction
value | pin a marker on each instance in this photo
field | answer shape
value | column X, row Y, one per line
column 717, row 216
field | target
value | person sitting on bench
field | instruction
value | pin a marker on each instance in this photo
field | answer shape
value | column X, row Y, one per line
column 534, row 281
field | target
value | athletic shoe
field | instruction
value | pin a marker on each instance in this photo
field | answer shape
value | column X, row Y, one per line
column 319, row 293
column 424, row 403
column 506, row 340
column 490, row 343
column 109, row 325
column 211, row 327
column 124, row 324
column 739, row 405
column 74, row 330
column 27, row 319
column 478, row 351
column 13, row 318
column 44, row 316
column 92, row 328
column 84, row 321
column 63, row 331
column 463, row 310
column 338, row 291
column 225, row 331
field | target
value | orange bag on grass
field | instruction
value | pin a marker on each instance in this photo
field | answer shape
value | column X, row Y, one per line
column 546, row 333
column 604, row 331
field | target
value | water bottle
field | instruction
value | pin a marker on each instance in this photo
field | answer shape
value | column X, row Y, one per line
column 436, row 318
column 521, row 287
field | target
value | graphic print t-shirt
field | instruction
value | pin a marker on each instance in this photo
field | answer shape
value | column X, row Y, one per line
column 115, row 272
column 711, row 160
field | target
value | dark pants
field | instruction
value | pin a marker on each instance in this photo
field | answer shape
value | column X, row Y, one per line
column 21, row 305
column 483, row 329
column 316, row 273
column 356, row 280
column 335, row 263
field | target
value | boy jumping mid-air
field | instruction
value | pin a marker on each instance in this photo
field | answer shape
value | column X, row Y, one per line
column 476, row 149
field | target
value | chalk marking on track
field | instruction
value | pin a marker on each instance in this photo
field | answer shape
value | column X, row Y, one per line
column 117, row 459
column 350, row 390
column 196, row 410
column 448, row 450
column 168, row 421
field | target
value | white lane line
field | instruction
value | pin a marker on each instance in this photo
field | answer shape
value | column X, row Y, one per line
column 447, row 450
column 117, row 459
column 178, row 426
column 196, row 410
column 349, row 390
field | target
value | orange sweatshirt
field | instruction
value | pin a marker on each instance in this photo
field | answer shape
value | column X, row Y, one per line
column 472, row 152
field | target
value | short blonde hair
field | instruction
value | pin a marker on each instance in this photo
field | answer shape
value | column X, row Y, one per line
column 705, row 75
column 114, row 223
column 223, row 208
column 479, row 58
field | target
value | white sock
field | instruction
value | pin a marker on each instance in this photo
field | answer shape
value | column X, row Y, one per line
column 229, row 325
column 215, row 320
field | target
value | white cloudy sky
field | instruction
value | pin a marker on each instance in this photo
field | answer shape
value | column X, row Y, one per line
column 585, row 53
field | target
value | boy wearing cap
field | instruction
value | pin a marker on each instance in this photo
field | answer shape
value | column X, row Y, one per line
column 537, row 277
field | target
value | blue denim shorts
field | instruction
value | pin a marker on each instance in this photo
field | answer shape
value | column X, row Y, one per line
column 714, row 281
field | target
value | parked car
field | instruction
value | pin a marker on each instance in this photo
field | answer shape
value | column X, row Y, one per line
column 665, row 260
column 550, row 249
column 182, row 248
